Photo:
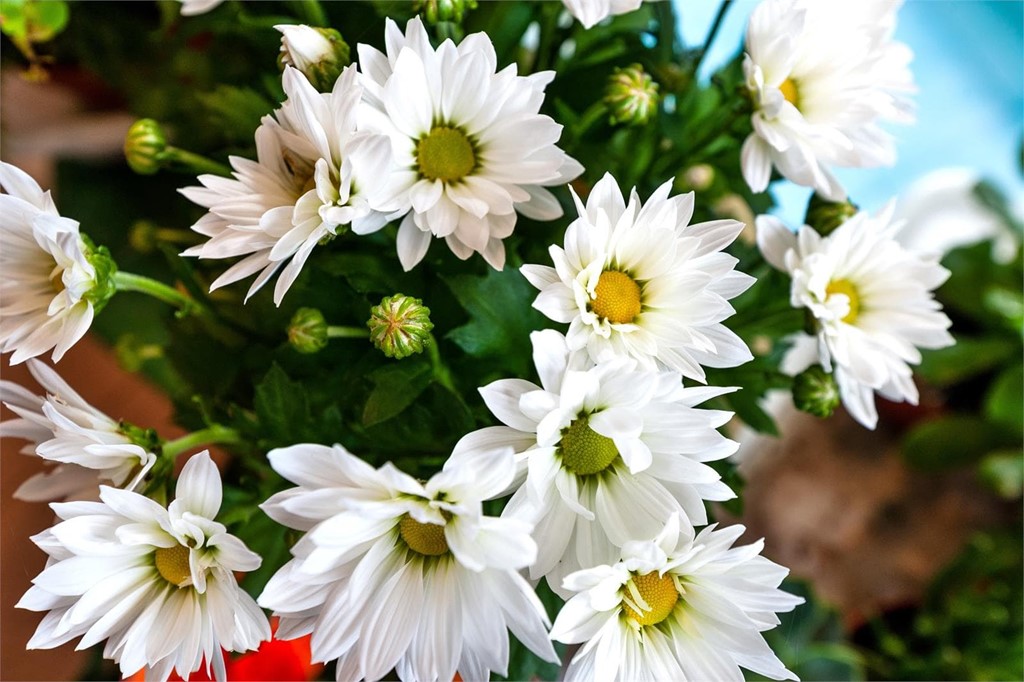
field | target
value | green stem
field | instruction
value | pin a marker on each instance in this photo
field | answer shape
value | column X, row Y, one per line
column 347, row 332
column 546, row 43
column 313, row 13
column 594, row 113
column 712, row 32
column 441, row 373
column 126, row 281
column 192, row 162
column 211, row 435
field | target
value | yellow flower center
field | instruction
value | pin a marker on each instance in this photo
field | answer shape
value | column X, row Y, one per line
column 424, row 538
column 659, row 592
column 445, row 154
column 172, row 563
column 616, row 297
column 790, row 91
column 845, row 287
column 585, row 451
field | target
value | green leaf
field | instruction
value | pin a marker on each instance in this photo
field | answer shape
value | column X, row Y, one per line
column 33, row 21
column 281, row 407
column 1003, row 471
column 235, row 111
column 1004, row 403
column 949, row 442
column 395, row 388
column 968, row 358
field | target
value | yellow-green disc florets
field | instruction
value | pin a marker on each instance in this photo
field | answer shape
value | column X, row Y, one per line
column 424, row 538
column 616, row 297
column 658, row 591
column 172, row 564
column 585, row 451
column 445, row 154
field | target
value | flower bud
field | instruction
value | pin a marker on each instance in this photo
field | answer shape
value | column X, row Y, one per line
column 699, row 178
column 132, row 353
column 144, row 146
column 400, row 326
column 631, row 96
column 319, row 53
column 443, row 10
column 307, row 332
column 815, row 392
column 825, row 216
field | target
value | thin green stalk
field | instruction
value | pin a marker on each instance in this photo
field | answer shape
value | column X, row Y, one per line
column 126, row 281
column 193, row 163
column 313, row 13
column 212, row 435
column 712, row 33
column 347, row 332
column 441, row 373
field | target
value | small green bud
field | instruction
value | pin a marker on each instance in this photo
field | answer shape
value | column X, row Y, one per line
column 400, row 326
column 132, row 353
column 631, row 96
column 101, row 261
column 319, row 53
column 307, row 332
column 443, row 10
column 144, row 146
column 815, row 392
column 142, row 236
column 699, row 178
column 825, row 216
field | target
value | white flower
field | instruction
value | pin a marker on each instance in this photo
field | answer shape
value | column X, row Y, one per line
column 470, row 148
column 590, row 12
column 610, row 452
column 47, row 278
column 191, row 8
column 303, row 46
column 395, row 573
column 638, row 281
column 676, row 608
column 872, row 301
column 156, row 583
column 822, row 76
column 62, row 427
column 312, row 177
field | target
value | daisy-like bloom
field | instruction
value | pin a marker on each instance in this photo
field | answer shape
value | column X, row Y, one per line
column 822, row 75
column 89, row 447
column 676, row 607
column 610, row 451
column 312, row 177
column 590, row 12
column 470, row 148
column 872, row 301
column 157, row 583
column 49, row 290
column 638, row 281
column 396, row 573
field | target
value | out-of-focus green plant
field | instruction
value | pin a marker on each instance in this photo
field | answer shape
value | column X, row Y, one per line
column 31, row 22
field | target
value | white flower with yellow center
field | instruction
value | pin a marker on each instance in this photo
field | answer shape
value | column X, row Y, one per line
column 312, row 177
column 397, row 573
column 48, row 288
column 822, row 75
column 590, row 12
column 677, row 607
column 470, row 148
column 62, row 427
column 610, row 451
column 156, row 583
column 638, row 281
column 872, row 301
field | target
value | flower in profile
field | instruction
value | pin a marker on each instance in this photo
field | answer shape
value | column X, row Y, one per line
column 397, row 573
column 51, row 286
column 157, row 583
column 638, row 281
column 590, row 12
column 872, row 302
column 610, row 451
column 822, row 76
column 89, row 447
column 470, row 149
column 676, row 607
column 319, row 53
column 312, row 177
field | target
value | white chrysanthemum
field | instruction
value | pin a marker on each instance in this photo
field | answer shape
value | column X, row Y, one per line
column 872, row 301
column 63, row 427
column 610, row 452
column 822, row 76
column 312, row 176
column 47, row 278
column 395, row 573
column 190, row 8
column 156, row 583
column 589, row 12
column 676, row 608
column 470, row 148
column 638, row 281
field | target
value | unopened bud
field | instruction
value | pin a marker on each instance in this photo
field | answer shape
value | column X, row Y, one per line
column 319, row 53
column 307, row 332
column 443, row 10
column 825, row 216
column 144, row 146
column 400, row 326
column 697, row 177
column 631, row 96
column 815, row 391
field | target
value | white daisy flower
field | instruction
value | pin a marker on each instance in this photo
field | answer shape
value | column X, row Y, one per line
column 822, row 76
column 396, row 573
column 470, row 148
column 611, row 451
column 590, row 12
column 872, row 301
column 156, row 583
column 638, row 281
column 62, row 427
column 312, row 176
column 48, row 290
column 190, row 8
column 676, row 608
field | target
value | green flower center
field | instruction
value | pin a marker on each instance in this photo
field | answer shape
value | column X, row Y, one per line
column 790, row 91
column 425, row 538
column 845, row 287
column 616, row 297
column 172, row 563
column 445, row 154
column 659, row 592
column 585, row 451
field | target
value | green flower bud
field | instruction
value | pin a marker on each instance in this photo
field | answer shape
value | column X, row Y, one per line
column 144, row 146
column 443, row 10
column 142, row 236
column 825, row 216
column 699, row 178
column 631, row 96
column 132, row 353
column 319, row 53
column 400, row 326
column 101, row 261
column 815, row 392
column 307, row 332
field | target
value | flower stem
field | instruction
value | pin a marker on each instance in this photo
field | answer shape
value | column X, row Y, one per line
column 313, row 13
column 126, row 281
column 192, row 162
column 334, row 332
column 712, row 32
column 441, row 373
column 211, row 435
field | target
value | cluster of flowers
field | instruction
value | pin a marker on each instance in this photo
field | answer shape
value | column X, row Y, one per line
column 605, row 460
